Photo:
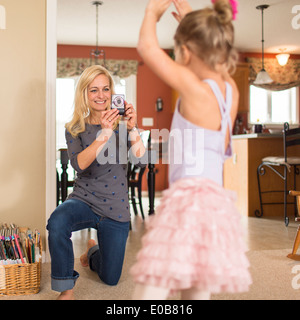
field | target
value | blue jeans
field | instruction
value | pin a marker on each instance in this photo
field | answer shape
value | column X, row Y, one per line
column 106, row 258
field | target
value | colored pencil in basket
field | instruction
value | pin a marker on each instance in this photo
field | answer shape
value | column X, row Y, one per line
column 19, row 248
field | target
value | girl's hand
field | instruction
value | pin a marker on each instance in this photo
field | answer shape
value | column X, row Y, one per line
column 182, row 7
column 158, row 7
column 108, row 118
column 130, row 116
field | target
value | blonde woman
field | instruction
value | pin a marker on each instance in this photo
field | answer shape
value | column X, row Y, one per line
column 194, row 244
column 96, row 140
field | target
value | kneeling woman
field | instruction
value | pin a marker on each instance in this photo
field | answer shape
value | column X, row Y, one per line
column 96, row 140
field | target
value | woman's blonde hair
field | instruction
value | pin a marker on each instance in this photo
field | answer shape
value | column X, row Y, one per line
column 209, row 34
column 81, row 103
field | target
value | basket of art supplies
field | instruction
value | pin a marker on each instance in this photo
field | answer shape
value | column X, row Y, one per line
column 20, row 260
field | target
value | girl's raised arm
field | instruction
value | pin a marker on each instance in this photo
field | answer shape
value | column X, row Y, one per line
column 148, row 47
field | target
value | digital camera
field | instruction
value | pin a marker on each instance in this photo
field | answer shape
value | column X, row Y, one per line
column 118, row 101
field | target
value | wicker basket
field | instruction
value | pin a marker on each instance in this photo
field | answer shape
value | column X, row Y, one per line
column 20, row 279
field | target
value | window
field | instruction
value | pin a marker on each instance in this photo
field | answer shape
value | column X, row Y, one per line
column 65, row 89
column 126, row 86
column 274, row 107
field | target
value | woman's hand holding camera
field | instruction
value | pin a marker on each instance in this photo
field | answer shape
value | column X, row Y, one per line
column 130, row 116
column 137, row 146
column 108, row 118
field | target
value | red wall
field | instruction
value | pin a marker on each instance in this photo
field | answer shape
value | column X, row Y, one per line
column 149, row 88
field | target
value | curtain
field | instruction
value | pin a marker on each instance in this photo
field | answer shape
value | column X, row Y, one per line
column 70, row 67
column 284, row 77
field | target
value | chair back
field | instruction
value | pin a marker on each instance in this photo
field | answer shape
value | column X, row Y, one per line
column 135, row 173
column 291, row 137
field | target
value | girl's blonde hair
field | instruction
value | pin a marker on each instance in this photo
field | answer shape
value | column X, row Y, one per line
column 209, row 34
column 81, row 103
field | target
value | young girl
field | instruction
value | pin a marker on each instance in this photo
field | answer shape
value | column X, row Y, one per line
column 194, row 243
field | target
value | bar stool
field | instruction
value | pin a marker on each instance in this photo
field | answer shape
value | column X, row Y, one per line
column 291, row 137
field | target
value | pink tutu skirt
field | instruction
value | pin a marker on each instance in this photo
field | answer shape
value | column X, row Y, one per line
column 195, row 239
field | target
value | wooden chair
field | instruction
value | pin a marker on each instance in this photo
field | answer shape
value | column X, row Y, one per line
column 294, row 254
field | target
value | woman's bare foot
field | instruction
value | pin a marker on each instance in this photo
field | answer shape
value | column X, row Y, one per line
column 67, row 295
column 84, row 258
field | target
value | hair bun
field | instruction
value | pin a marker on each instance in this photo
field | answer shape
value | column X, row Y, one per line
column 224, row 12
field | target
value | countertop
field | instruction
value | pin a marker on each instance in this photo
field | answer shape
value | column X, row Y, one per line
column 257, row 135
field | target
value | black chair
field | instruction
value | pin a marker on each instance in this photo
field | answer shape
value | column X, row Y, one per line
column 291, row 137
column 135, row 176
column 63, row 182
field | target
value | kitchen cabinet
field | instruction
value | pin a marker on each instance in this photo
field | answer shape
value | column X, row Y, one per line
column 241, row 78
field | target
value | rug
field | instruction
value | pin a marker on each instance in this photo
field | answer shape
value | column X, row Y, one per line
column 275, row 277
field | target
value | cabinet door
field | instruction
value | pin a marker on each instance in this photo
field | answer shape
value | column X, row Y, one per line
column 241, row 77
column 236, row 174
column 175, row 96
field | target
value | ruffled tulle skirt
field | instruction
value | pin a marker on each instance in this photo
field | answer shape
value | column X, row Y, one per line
column 195, row 239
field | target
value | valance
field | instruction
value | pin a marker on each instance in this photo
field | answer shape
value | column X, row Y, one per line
column 71, row 67
column 285, row 77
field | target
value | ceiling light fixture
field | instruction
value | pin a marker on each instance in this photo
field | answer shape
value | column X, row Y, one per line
column 262, row 77
column 96, row 53
column 282, row 57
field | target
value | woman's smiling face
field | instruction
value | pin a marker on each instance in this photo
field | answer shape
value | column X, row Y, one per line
column 99, row 93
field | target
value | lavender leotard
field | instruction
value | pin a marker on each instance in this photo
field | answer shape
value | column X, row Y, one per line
column 198, row 152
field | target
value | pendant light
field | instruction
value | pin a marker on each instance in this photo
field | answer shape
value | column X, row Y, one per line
column 282, row 57
column 262, row 77
column 96, row 53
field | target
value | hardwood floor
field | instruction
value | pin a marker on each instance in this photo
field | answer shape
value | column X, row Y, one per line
column 270, row 233
column 261, row 233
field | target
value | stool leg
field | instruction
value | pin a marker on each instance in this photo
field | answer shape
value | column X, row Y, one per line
column 257, row 213
column 286, row 219
column 293, row 255
column 297, row 242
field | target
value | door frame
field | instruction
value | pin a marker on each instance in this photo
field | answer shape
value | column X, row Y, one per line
column 51, row 65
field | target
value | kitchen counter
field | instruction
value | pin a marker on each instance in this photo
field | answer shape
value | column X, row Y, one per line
column 257, row 135
column 240, row 172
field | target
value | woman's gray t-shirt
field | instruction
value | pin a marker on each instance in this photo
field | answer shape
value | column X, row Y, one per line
column 103, row 185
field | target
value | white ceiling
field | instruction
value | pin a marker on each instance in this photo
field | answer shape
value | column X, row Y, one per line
column 120, row 20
